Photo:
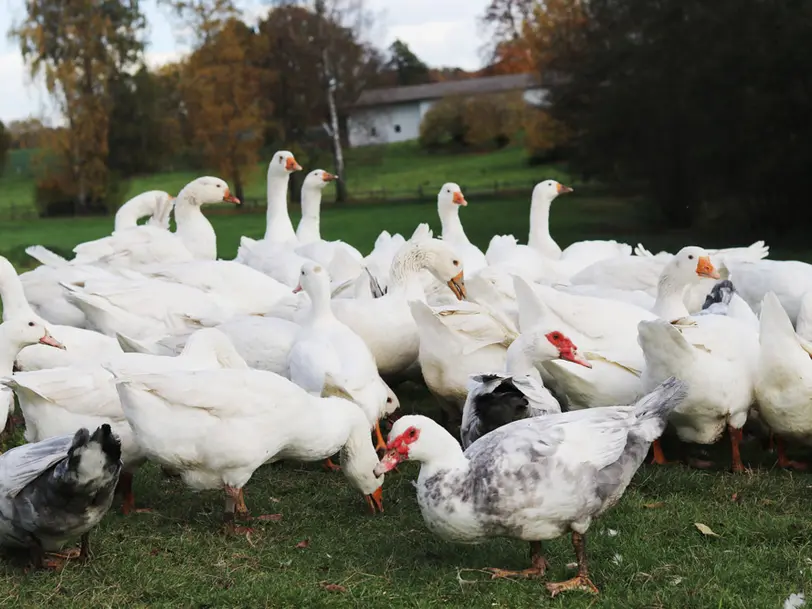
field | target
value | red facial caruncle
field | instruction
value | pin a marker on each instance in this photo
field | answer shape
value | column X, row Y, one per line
column 401, row 443
column 566, row 349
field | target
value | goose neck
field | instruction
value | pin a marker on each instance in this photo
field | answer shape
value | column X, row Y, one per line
column 451, row 225
column 278, row 225
column 539, row 237
column 309, row 228
column 669, row 304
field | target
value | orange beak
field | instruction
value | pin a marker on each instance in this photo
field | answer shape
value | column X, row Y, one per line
column 229, row 198
column 459, row 199
column 292, row 165
column 457, row 285
column 51, row 341
column 562, row 190
column 704, row 268
column 328, row 177
column 375, row 500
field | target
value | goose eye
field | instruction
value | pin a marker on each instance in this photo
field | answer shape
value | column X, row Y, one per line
column 456, row 262
column 388, row 400
column 31, row 323
column 219, row 186
column 690, row 256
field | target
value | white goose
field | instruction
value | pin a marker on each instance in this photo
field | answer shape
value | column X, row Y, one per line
column 496, row 399
column 327, row 358
column 456, row 342
column 449, row 201
column 193, row 239
column 385, row 323
column 717, row 355
column 605, row 331
column 156, row 204
column 784, row 379
column 15, row 336
column 216, row 427
column 81, row 345
column 58, row 401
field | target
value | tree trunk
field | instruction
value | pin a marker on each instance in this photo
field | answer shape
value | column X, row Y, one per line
column 335, row 133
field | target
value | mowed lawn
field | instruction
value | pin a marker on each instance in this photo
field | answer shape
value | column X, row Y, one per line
column 645, row 553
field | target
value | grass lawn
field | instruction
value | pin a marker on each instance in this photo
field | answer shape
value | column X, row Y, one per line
column 176, row 557
column 397, row 170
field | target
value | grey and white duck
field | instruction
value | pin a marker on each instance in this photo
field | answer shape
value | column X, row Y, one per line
column 54, row 491
column 534, row 479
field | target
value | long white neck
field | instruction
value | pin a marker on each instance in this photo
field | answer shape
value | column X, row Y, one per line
column 320, row 310
column 406, row 270
column 15, row 304
column 669, row 303
column 194, row 228
column 451, row 224
column 138, row 207
column 309, row 229
column 278, row 227
column 358, row 456
column 9, row 350
column 539, row 237
column 519, row 361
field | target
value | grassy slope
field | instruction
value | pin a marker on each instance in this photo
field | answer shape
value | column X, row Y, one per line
column 176, row 557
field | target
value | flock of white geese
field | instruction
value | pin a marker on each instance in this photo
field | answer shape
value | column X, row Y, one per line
column 212, row 368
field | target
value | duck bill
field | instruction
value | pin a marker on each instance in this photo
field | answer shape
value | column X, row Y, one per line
column 375, row 500
column 297, row 289
column 562, row 190
column 705, row 268
column 457, row 285
column 576, row 358
column 292, row 165
column 229, row 198
column 388, row 462
column 51, row 342
column 458, row 199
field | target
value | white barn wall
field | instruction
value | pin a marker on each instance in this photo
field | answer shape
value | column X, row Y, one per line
column 386, row 124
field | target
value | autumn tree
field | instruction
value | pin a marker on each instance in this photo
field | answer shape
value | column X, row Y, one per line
column 316, row 51
column 508, row 50
column 79, row 46
column 222, row 95
column 407, row 66
column 26, row 133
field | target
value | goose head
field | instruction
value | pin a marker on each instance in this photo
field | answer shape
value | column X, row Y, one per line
column 450, row 197
column 318, row 179
column 548, row 190
column 23, row 332
column 689, row 265
column 314, row 280
column 445, row 264
column 206, row 190
column 283, row 163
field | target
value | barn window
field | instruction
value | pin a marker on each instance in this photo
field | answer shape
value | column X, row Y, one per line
column 373, row 132
column 397, row 128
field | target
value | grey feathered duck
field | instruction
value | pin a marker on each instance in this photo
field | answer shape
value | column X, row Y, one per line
column 56, row 490
column 534, row 479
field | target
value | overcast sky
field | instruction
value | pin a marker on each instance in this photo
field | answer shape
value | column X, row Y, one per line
column 440, row 32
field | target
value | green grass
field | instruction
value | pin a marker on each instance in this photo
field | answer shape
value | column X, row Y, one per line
column 176, row 557
column 399, row 171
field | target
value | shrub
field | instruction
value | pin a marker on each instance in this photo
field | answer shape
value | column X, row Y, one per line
column 545, row 137
column 443, row 126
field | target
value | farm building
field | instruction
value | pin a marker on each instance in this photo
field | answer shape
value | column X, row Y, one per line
column 382, row 116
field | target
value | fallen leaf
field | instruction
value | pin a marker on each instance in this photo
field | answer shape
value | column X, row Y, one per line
column 270, row 517
column 332, row 587
column 734, row 497
column 654, row 506
column 303, row 544
column 705, row 529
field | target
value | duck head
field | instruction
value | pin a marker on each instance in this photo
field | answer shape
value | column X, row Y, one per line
column 25, row 332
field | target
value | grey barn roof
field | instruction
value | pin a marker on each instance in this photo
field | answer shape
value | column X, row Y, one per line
column 436, row 90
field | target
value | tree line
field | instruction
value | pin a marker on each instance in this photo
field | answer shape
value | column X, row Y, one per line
column 286, row 82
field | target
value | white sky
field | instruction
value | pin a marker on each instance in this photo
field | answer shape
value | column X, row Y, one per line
column 440, row 32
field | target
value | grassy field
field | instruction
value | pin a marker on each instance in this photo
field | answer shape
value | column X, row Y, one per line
column 398, row 170
column 646, row 553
